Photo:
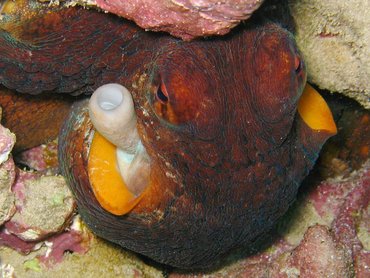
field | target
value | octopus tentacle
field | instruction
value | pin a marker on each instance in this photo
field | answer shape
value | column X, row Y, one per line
column 68, row 51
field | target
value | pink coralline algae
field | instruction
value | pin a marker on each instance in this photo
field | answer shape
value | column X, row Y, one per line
column 71, row 241
column 14, row 242
column 186, row 19
column 36, row 207
column 42, row 158
column 44, row 206
column 7, row 175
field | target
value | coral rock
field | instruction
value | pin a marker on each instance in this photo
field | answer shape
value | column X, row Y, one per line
column 44, row 206
column 182, row 18
column 41, row 158
column 7, row 175
column 318, row 255
column 334, row 37
column 7, row 200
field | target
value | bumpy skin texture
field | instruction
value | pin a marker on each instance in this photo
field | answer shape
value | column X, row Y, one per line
column 33, row 119
column 36, row 52
column 227, row 148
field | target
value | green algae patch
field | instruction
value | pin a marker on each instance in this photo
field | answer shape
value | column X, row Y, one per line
column 32, row 264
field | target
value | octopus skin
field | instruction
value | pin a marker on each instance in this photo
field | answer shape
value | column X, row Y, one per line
column 34, row 120
column 218, row 119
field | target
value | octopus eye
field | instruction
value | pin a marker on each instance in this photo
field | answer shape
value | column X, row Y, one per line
column 162, row 94
column 297, row 64
column 161, row 103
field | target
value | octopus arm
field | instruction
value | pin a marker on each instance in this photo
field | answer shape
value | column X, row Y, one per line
column 67, row 51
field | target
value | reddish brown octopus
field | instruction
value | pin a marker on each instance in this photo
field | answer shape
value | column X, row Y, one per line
column 217, row 117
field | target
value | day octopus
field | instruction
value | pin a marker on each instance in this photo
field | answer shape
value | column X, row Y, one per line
column 214, row 136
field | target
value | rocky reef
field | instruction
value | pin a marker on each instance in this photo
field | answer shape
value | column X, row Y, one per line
column 183, row 18
column 334, row 37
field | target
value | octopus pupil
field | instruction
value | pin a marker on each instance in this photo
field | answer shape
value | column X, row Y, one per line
column 298, row 64
column 161, row 95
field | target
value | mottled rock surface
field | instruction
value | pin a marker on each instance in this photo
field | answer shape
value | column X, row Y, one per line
column 334, row 37
column 7, row 175
column 186, row 19
column 99, row 259
column 42, row 158
column 44, row 206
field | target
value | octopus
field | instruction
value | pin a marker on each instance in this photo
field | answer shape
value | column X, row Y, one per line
column 185, row 151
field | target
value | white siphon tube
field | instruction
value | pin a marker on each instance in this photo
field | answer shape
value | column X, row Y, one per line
column 112, row 113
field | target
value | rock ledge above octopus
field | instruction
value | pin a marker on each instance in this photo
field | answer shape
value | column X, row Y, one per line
column 184, row 19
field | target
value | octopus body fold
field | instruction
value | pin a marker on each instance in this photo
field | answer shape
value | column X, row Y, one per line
column 217, row 118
